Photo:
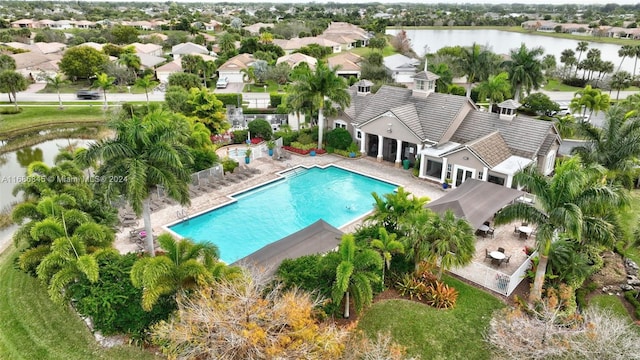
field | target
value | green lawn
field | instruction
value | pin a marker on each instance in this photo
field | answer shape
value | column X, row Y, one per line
column 433, row 333
column 610, row 302
column 362, row 51
column 72, row 88
column 32, row 327
column 629, row 222
column 556, row 85
column 34, row 118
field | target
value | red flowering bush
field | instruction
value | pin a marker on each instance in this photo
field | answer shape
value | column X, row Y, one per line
column 304, row 151
column 256, row 140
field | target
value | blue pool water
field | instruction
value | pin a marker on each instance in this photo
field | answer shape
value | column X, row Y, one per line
column 269, row 213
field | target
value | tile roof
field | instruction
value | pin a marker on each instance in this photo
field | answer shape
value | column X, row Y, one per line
column 297, row 43
column 510, row 104
column 399, row 61
column 189, row 48
column 430, row 117
column 296, row 58
column 426, row 75
column 238, row 62
column 171, row 66
column 347, row 61
column 491, row 149
column 523, row 135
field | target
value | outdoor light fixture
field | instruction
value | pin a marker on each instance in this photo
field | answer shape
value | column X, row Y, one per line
column 389, row 127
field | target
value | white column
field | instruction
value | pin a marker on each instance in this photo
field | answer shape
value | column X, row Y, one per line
column 380, row 143
column 423, row 163
column 485, row 173
column 443, row 176
column 363, row 137
column 398, row 153
column 509, row 181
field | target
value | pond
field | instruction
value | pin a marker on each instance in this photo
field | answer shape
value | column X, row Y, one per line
column 501, row 42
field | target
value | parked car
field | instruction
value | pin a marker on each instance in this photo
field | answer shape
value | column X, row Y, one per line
column 222, row 83
column 88, row 94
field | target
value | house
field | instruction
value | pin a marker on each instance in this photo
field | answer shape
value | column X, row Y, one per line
column 346, row 64
column 296, row 59
column 212, row 25
column 154, row 37
column 347, row 42
column 48, row 48
column 294, row 44
column 187, row 48
column 255, row 28
column 233, row 68
column 85, row 24
column 36, row 65
column 148, row 61
column 401, row 68
column 448, row 134
column 348, row 31
column 163, row 72
column 148, row 49
column 24, row 23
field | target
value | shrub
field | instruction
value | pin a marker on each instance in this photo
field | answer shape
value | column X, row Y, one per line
column 230, row 99
column 261, row 129
column 305, row 139
column 302, row 146
column 113, row 303
column 10, row 110
column 457, row 90
column 228, row 165
column 339, row 138
column 240, row 136
column 632, row 298
column 577, row 82
column 411, row 287
column 203, row 158
column 441, row 295
column 275, row 99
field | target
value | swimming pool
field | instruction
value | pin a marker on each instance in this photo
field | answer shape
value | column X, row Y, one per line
column 268, row 213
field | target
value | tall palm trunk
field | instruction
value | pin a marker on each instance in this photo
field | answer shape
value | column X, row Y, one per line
column 516, row 96
column 536, row 289
column 104, row 93
column 146, row 93
column 469, row 90
column 59, row 100
column 146, row 216
column 15, row 100
column 346, row 305
column 320, row 127
column 635, row 62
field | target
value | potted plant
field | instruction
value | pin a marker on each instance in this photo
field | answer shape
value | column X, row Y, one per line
column 446, row 183
column 270, row 145
column 312, row 152
column 247, row 155
column 352, row 149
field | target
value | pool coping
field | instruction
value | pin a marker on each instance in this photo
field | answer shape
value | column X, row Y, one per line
column 281, row 177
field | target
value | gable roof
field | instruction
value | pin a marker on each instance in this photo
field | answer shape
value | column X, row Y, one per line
column 317, row 238
column 35, row 61
column 490, row 149
column 347, row 61
column 48, row 48
column 296, row 58
column 429, row 119
column 145, row 48
column 189, row 48
column 399, row 61
column 150, row 61
column 171, row 66
column 297, row 43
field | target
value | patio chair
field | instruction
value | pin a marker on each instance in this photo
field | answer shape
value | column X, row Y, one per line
column 491, row 232
column 524, row 235
column 515, row 229
column 525, row 224
column 501, row 249
column 487, row 223
column 506, row 260
column 486, row 254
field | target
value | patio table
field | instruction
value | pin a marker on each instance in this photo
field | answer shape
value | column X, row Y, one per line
column 526, row 229
column 483, row 228
column 497, row 255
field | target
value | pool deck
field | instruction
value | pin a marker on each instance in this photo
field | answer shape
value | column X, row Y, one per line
column 269, row 169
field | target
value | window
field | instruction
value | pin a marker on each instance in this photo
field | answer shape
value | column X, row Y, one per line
column 420, row 85
column 496, row 180
column 358, row 134
column 449, row 169
column 430, row 85
column 434, row 168
column 480, row 175
column 339, row 124
column 550, row 162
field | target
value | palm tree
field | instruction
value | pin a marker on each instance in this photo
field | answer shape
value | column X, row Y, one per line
column 103, row 82
column 146, row 83
column 226, row 42
column 451, row 240
column 318, row 87
column 623, row 52
column 497, row 88
column 582, row 47
column 525, row 69
column 636, row 54
column 574, row 202
column 147, row 152
column 57, row 82
column 568, row 58
column 475, row 62
column 131, row 61
column 589, row 99
column 615, row 145
column 184, row 266
column 387, row 245
column 266, row 38
column 354, row 275
column 389, row 209
column 619, row 81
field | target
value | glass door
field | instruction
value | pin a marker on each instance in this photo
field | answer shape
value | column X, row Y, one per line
column 462, row 175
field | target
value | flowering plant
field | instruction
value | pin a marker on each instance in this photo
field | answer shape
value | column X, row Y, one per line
column 528, row 250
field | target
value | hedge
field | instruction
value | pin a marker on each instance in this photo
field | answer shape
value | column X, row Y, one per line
column 230, row 99
column 276, row 99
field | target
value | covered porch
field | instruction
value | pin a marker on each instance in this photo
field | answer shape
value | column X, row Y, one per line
column 385, row 148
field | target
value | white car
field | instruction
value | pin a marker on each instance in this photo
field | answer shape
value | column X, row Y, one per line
column 581, row 118
column 222, row 83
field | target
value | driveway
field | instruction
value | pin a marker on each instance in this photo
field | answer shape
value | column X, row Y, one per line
column 231, row 88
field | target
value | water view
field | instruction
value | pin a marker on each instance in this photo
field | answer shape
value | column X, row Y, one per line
column 426, row 40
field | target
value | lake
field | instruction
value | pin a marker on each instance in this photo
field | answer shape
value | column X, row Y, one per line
column 501, row 42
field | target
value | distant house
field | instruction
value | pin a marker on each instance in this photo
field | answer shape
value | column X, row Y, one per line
column 85, row 24
column 346, row 64
column 255, row 28
column 336, row 30
column 212, row 25
column 93, row 45
column 294, row 44
column 346, row 42
column 401, row 68
column 36, row 65
column 24, row 23
column 233, row 68
column 187, row 48
column 148, row 61
column 296, row 59
column 160, row 36
column 163, row 72
column 448, row 134
column 147, row 49
column 48, row 48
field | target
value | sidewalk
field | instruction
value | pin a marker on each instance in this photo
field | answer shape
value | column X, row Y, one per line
column 35, row 87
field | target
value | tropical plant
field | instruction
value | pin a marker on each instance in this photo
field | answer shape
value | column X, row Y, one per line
column 316, row 90
column 574, row 202
column 103, row 82
column 389, row 209
column 226, row 42
column 624, row 52
column 620, row 81
column 525, row 69
column 56, row 82
column 146, row 152
column 12, row 82
column 615, row 145
column 582, row 47
column 589, row 99
column 387, row 245
column 496, row 88
column 355, row 274
column 184, row 266
column 476, row 63
column 146, row 83
column 131, row 61
column 568, row 58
